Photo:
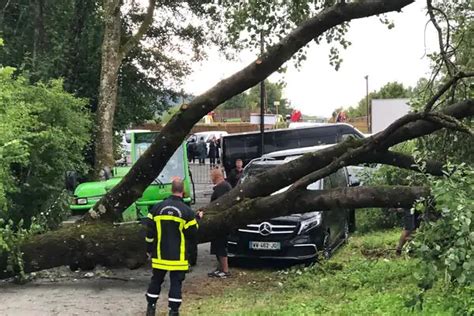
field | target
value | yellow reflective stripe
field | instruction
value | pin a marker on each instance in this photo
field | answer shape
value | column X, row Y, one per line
column 170, row 218
column 150, row 216
column 170, row 268
column 181, row 222
column 191, row 223
column 183, row 246
column 149, row 239
column 169, row 262
column 158, row 233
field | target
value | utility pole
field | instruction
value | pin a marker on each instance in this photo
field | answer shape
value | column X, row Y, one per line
column 262, row 101
column 367, row 102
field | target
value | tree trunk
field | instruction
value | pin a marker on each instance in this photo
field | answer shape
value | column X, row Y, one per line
column 104, row 155
column 150, row 164
column 84, row 246
column 38, row 33
column 112, row 55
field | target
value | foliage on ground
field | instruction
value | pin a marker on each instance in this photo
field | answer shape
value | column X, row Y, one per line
column 363, row 278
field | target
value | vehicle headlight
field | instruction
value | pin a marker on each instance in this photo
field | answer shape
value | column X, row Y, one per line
column 313, row 221
column 81, row 201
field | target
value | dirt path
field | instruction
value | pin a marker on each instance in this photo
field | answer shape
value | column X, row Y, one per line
column 100, row 292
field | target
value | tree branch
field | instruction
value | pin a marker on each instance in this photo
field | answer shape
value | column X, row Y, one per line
column 445, row 87
column 404, row 161
column 263, row 208
column 150, row 164
column 135, row 39
column 450, row 67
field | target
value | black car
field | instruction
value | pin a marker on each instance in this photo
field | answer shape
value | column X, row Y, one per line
column 296, row 236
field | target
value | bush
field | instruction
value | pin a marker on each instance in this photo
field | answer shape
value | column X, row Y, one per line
column 447, row 245
column 43, row 134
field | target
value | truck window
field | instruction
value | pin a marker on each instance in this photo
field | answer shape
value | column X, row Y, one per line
column 174, row 167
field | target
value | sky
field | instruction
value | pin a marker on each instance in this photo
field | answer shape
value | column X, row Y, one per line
column 316, row 88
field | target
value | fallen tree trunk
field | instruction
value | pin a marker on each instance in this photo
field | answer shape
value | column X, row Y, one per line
column 84, row 246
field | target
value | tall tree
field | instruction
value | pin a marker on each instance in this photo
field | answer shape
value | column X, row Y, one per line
column 113, row 53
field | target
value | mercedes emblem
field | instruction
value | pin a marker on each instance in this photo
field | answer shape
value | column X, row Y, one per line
column 265, row 229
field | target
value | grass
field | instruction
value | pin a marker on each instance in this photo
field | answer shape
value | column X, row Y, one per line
column 363, row 278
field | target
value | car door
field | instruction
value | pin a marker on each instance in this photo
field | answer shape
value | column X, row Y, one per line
column 330, row 218
column 340, row 216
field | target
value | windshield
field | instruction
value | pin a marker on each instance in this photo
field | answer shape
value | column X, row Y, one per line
column 254, row 169
column 174, row 167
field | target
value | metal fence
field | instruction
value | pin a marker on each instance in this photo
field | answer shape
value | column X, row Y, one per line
column 200, row 173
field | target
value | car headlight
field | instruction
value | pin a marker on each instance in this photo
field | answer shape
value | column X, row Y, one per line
column 81, row 201
column 313, row 221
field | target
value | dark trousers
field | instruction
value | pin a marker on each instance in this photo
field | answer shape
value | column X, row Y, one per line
column 212, row 160
column 174, row 295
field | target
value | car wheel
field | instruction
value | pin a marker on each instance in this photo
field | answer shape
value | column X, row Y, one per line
column 345, row 235
column 327, row 251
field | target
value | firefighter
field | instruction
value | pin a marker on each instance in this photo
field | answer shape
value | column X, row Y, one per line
column 171, row 224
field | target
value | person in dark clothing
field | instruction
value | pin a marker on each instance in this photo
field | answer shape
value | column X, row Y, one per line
column 171, row 224
column 219, row 246
column 235, row 174
column 218, row 143
column 212, row 152
column 201, row 149
column 411, row 221
column 191, row 147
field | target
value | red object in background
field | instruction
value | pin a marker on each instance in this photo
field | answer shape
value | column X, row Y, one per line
column 295, row 116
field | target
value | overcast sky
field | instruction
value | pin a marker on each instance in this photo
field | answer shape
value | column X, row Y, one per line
column 317, row 89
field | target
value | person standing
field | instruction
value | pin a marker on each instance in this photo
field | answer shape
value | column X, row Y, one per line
column 219, row 246
column 236, row 173
column 202, row 151
column 170, row 224
column 191, row 147
column 212, row 152
column 218, row 143
column 411, row 221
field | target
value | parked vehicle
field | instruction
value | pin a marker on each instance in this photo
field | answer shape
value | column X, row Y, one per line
column 85, row 195
column 246, row 146
column 296, row 236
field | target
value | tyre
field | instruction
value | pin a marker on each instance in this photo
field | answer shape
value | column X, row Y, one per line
column 345, row 234
column 327, row 250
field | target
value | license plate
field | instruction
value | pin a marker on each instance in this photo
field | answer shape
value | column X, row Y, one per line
column 264, row 245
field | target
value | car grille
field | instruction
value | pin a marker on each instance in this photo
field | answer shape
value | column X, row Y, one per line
column 279, row 229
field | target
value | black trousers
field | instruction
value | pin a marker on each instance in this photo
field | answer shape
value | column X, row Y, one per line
column 174, row 295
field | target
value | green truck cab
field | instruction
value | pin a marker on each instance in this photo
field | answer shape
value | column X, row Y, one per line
column 88, row 193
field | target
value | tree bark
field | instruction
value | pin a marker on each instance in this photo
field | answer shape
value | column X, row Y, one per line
column 104, row 156
column 150, row 164
column 112, row 55
column 84, row 246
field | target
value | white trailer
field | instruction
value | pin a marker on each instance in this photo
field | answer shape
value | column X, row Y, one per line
column 385, row 111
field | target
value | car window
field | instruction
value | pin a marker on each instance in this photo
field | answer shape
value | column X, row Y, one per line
column 314, row 186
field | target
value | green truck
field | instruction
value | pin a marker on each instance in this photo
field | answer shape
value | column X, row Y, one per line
column 86, row 194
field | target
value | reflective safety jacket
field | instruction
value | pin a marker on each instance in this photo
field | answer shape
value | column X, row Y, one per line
column 171, row 226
